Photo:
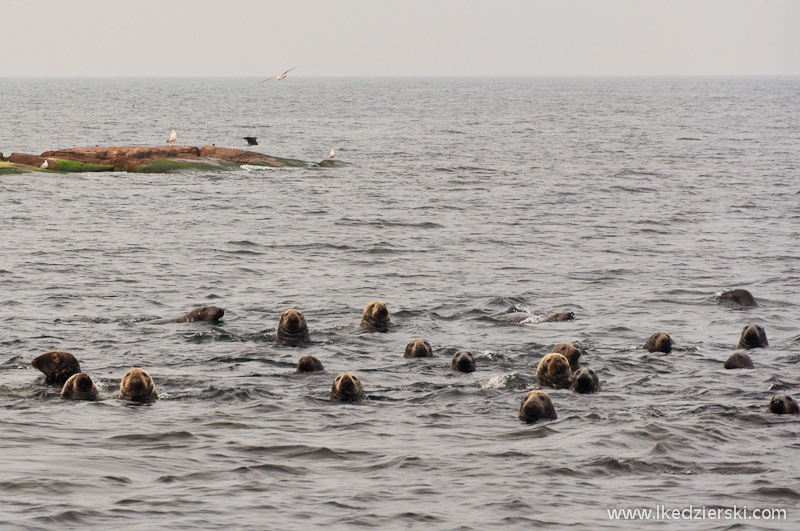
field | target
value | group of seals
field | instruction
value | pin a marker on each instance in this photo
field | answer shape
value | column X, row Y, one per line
column 62, row 368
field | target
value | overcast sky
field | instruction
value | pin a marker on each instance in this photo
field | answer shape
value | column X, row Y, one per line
column 399, row 38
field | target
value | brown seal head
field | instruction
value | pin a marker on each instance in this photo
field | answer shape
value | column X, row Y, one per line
column 553, row 371
column 292, row 328
column 738, row 360
column 463, row 361
column 659, row 342
column 79, row 387
column 418, row 348
column 203, row 313
column 309, row 364
column 536, row 405
column 375, row 316
column 753, row 336
column 347, row 388
column 739, row 296
column 137, row 385
column 57, row 366
column 563, row 316
column 571, row 352
column 783, row 405
column 585, row 381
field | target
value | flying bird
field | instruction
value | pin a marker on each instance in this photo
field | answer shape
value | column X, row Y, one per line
column 331, row 154
column 45, row 165
column 280, row 77
column 251, row 140
column 172, row 136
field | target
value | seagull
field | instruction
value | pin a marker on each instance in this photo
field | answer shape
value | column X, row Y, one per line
column 251, row 140
column 172, row 136
column 44, row 165
column 331, row 154
column 280, row 77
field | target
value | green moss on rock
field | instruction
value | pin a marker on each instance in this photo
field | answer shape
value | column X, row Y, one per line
column 69, row 166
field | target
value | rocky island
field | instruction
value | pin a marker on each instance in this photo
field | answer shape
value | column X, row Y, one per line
column 158, row 159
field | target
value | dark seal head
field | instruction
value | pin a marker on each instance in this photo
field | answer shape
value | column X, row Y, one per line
column 753, row 336
column 536, row 405
column 79, row 387
column 738, row 360
column 659, row 342
column 292, row 328
column 375, row 316
column 347, row 388
column 563, row 316
column 137, row 385
column 553, row 371
column 418, row 348
column 57, row 366
column 309, row 364
column 739, row 296
column 463, row 361
column 571, row 352
column 203, row 313
column 585, row 381
column 783, row 405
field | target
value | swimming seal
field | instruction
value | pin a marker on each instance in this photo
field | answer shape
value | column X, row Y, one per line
column 571, row 352
column 138, row 386
column 347, row 388
column 418, row 348
column 463, row 361
column 57, row 366
column 375, row 316
column 292, row 328
column 739, row 296
column 738, row 360
column 783, row 405
column 203, row 313
column 79, row 387
column 309, row 364
column 536, row 405
column 563, row 316
column 753, row 336
column 659, row 342
column 553, row 371
column 585, row 381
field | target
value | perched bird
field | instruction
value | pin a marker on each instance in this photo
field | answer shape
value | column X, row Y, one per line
column 45, row 165
column 331, row 154
column 251, row 140
column 280, row 77
column 172, row 136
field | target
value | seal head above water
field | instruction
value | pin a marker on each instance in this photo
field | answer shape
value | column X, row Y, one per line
column 418, row 348
column 138, row 386
column 553, row 371
column 739, row 296
column 536, row 405
column 463, row 361
column 753, row 336
column 738, row 360
column 57, row 366
column 79, row 387
column 292, row 328
column 347, row 388
column 203, row 313
column 309, row 364
column 375, row 316
column 585, row 381
column 783, row 405
column 562, row 316
column 659, row 342
column 571, row 352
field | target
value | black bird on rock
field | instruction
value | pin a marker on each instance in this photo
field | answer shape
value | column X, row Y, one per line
column 251, row 140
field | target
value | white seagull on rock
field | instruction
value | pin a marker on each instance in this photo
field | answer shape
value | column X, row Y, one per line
column 280, row 77
column 172, row 136
column 331, row 154
column 44, row 165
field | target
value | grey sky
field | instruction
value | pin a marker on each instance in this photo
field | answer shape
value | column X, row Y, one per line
column 399, row 38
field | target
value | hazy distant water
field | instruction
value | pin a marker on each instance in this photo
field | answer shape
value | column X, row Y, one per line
column 630, row 202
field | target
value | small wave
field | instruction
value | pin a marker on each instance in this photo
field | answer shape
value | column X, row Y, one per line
column 513, row 380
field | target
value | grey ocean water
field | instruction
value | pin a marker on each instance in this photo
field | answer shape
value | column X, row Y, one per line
column 630, row 202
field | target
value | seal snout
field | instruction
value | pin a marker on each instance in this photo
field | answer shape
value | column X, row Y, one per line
column 347, row 388
column 83, row 383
